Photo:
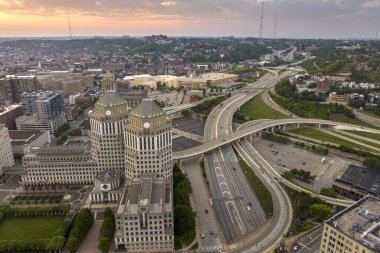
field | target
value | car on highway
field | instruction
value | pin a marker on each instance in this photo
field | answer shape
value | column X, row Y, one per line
column 203, row 236
column 296, row 247
column 233, row 168
column 248, row 208
column 206, row 211
column 211, row 232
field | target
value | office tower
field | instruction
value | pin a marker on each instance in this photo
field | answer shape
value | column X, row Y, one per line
column 108, row 82
column 6, row 155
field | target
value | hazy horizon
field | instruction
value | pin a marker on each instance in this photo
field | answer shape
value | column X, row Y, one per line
column 308, row 19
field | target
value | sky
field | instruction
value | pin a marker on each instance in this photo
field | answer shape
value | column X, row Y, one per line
column 295, row 18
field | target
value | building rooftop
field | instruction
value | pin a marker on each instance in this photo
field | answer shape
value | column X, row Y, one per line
column 362, row 179
column 148, row 108
column 4, row 110
column 146, row 193
column 22, row 137
column 361, row 222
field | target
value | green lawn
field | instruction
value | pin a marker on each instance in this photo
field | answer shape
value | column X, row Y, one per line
column 371, row 114
column 257, row 109
column 366, row 134
column 29, row 228
column 260, row 190
column 362, row 141
column 344, row 119
column 318, row 135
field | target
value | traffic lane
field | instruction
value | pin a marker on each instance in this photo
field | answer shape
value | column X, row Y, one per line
column 235, row 210
column 309, row 242
column 250, row 200
column 281, row 221
column 207, row 222
column 225, row 221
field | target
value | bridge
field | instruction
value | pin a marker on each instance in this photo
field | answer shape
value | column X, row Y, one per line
column 255, row 127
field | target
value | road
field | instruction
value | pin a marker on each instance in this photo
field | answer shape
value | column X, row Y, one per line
column 9, row 187
column 309, row 242
column 207, row 223
column 237, row 208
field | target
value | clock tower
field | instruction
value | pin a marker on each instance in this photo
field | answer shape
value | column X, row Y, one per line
column 148, row 142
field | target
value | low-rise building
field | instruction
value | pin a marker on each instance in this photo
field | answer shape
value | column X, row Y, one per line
column 8, row 115
column 59, row 165
column 107, row 188
column 206, row 80
column 355, row 229
column 23, row 141
column 32, row 122
column 357, row 182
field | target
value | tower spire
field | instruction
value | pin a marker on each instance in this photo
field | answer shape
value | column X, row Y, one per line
column 261, row 23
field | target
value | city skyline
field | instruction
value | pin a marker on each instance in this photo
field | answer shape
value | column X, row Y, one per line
column 295, row 18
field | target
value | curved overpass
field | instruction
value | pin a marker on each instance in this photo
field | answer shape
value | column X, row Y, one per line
column 256, row 126
column 253, row 128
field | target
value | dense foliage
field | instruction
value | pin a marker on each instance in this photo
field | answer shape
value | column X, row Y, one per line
column 107, row 230
column 207, row 106
column 328, row 192
column 372, row 163
column 183, row 213
column 300, row 174
column 287, row 90
column 311, row 109
column 275, row 137
column 82, row 224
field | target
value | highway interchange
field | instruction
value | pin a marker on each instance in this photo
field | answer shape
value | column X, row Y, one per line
column 238, row 211
column 239, row 214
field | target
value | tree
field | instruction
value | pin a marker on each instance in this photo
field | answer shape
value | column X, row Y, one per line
column 55, row 243
column 183, row 219
column 73, row 244
column 320, row 211
column 104, row 244
column 328, row 192
column 372, row 163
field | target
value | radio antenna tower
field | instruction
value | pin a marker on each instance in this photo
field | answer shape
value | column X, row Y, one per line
column 261, row 24
column 70, row 35
column 377, row 32
column 275, row 25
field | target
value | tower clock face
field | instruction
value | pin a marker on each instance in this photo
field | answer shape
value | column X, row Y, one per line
column 108, row 113
column 146, row 125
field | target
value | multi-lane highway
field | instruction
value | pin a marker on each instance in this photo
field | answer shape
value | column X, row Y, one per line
column 236, row 206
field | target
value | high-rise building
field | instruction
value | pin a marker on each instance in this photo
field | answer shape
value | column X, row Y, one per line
column 148, row 142
column 6, row 155
column 11, row 87
column 47, row 105
column 43, row 111
column 355, row 229
column 144, row 218
column 107, row 126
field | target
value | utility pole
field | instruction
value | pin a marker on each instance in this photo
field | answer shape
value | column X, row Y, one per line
column 261, row 24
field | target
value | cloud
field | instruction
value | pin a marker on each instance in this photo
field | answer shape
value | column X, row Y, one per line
column 98, row 3
column 168, row 3
column 371, row 4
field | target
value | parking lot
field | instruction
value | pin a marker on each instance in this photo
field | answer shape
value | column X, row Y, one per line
column 190, row 125
column 285, row 157
column 182, row 143
column 169, row 98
